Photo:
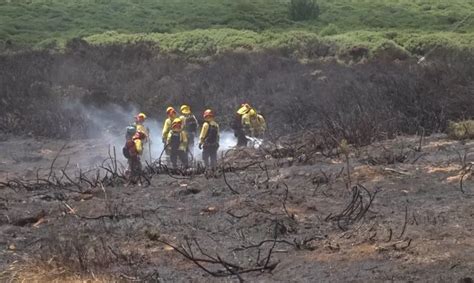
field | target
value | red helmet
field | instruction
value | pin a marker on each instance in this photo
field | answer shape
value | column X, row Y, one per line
column 208, row 113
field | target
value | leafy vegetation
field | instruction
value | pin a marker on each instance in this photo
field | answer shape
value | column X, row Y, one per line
column 203, row 27
column 301, row 10
column 215, row 41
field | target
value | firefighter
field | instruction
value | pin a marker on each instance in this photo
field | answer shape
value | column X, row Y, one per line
column 190, row 125
column 237, row 125
column 132, row 151
column 171, row 115
column 209, row 139
column 254, row 124
column 139, row 124
column 177, row 142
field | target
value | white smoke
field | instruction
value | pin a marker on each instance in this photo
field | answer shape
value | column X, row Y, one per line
column 108, row 127
column 226, row 142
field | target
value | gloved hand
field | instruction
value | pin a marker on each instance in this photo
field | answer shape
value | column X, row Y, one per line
column 200, row 146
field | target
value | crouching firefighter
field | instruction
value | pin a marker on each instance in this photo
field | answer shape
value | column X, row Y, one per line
column 254, row 124
column 238, row 127
column 132, row 151
column 177, row 143
column 209, row 139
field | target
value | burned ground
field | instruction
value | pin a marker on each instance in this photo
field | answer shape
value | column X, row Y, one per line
column 354, row 182
column 399, row 213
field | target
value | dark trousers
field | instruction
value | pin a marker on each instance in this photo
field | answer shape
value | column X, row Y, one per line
column 209, row 153
column 241, row 139
column 135, row 168
column 182, row 155
column 134, row 165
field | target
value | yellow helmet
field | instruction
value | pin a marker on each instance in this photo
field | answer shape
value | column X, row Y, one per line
column 244, row 109
column 140, row 117
column 176, row 122
column 185, row 109
column 170, row 110
column 252, row 113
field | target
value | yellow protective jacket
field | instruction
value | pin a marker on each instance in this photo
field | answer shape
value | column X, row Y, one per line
column 183, row 140
column 205, row 130
column 138, row 145
column 166, row 128
column 255, row 125
column 142, row 129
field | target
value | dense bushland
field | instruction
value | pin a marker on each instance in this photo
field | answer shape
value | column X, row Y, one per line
column 204, row 26
column 299, row 44
column 44, row 92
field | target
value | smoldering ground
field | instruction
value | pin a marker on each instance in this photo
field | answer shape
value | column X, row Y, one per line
column 106, row 127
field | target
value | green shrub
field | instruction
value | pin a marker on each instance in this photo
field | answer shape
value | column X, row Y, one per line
column 461, row 130
column 245, row 7
column 390, row 50
column 205, row 42
column 330, row 29
column 302, row 10
column 51, row 43
column 391, row 35
column 423, row 44
column 426, row 7
column 27, row 23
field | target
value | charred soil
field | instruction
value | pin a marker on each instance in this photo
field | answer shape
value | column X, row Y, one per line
column 353, row 182
column 400, row 210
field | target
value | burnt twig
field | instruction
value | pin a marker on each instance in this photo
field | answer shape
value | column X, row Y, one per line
column 230, row 269
column 355, row 209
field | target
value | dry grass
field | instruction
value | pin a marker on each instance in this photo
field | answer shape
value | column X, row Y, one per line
column 45, row 272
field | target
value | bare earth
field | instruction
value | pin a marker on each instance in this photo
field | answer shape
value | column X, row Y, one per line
column 269, row 219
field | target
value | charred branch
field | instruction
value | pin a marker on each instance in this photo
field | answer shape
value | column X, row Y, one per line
column 356, row 209
column 208, row 263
